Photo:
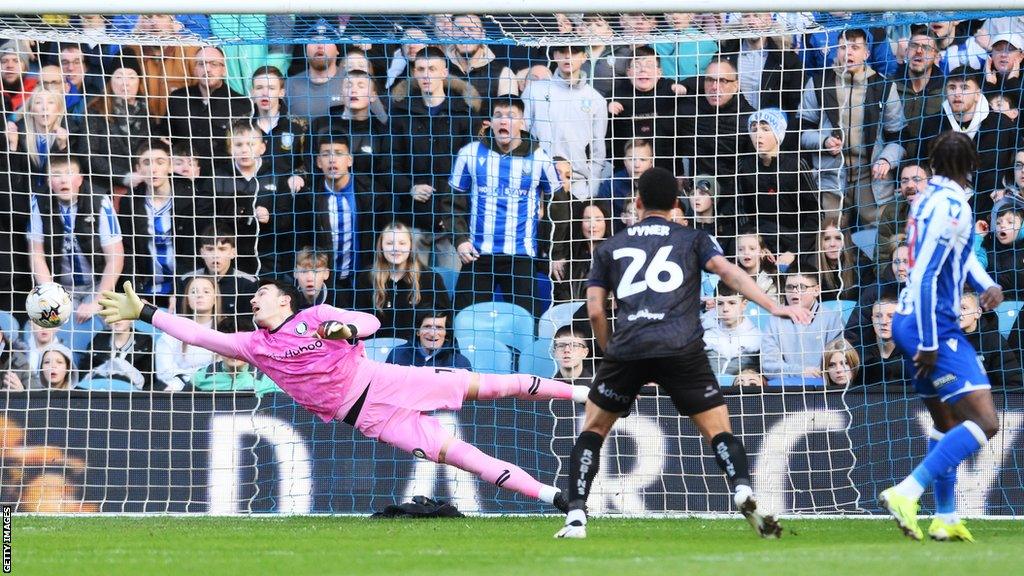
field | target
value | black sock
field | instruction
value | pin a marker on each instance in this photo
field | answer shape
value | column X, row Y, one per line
column 731, row 458
column 583, row 467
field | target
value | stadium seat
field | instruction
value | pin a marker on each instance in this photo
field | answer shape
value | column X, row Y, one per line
column 379, row 348
column 78, row 336
column 796, row 382
column 555, row 317
column 844, row 306
column 867, row 241
column 726, row 380
column 485, row 354
column 105, row 384
column 759, row 316
column 507, row 323
column 537, row 359
column 9, row 326
column 1008, row 312
column 450, row 277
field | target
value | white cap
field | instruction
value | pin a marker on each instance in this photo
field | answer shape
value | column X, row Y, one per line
column 1014, row 40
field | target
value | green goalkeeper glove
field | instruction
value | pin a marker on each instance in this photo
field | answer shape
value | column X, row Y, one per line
column 116, row 307
column 334, row 330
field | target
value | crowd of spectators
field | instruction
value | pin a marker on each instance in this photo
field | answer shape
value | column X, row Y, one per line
column 412, row 180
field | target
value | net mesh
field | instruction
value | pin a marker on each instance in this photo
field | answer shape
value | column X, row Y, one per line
column 198, row 154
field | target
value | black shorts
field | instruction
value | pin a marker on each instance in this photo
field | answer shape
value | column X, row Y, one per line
column 686, row 377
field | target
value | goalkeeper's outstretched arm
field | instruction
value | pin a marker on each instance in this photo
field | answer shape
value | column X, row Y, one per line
column 128, row 306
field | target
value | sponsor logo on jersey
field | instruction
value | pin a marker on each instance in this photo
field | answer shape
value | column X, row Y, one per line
column 944, row 380
column 646, row 314
column 419, row 453
column 612, row 394
column 315, row 345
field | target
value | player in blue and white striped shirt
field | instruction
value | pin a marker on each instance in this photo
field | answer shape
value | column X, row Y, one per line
column 506, row 177
column 947, row 374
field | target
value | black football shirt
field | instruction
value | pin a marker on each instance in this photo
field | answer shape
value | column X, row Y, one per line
column 654, row 269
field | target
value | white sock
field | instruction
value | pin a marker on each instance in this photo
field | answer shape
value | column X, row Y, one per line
column 742, row 493
column 576, row 515
column 547, row 494
column 949, row 517
column 580, row 393
column 910, row 488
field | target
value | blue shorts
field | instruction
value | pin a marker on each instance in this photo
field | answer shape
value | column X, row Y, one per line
column 958, row 369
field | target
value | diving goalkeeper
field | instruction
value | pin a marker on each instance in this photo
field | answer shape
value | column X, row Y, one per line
column 315, row 357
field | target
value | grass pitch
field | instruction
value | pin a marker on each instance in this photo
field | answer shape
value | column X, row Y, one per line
column 493, row 546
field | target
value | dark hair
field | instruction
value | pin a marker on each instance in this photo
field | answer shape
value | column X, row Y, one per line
column 953, row 155
column 431, row 53
column 149, row 146
column 643, row 51
column 805, row 269
column 911, row 163
column 66, row 160
column 657, row 189
column 851, row 34
column 267, row 71
column 570, row 330
column 331, row 138
column 966, row 73
column 217, row 233
column 286, row 288
column 570, row 48
column 182, row 150
column 726, row 291
column 507, row 101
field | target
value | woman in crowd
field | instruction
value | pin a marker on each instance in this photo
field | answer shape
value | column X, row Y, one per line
column 118, row 124
column 175, row 360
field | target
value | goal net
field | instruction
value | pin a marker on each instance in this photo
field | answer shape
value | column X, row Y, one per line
column 453, row 174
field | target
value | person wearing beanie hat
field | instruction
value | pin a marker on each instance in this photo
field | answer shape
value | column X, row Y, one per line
column 774, row 118
column 776, row 191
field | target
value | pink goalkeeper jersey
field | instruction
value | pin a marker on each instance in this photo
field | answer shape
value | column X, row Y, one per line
column 325, row 376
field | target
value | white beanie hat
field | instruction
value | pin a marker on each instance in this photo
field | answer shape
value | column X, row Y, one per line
column 774, row 118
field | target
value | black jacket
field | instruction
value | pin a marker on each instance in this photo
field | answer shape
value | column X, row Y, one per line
column 140, row 355
column 1007, row 266
column 782, row 77
column 236, row 198
column 780, row 199
column 424, row 146
column 876, row 370
column 654, row 116
column 112, row 141
column 1000, row 362
column 87, row 230
column 399, row 315
column 204, row 127
column 412, row 354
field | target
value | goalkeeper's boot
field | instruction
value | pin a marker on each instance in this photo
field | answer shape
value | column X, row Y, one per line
column 766, row 525
column 575, row 522
column 904, row 511
column 944, row 532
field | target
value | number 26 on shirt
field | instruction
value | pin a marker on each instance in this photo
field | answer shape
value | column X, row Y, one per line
column 653, row 272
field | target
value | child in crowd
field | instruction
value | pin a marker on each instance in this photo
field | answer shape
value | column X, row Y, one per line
column 733, row 344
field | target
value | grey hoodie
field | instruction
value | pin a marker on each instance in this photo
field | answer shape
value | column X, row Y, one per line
column 37, row 376
column 789, row 348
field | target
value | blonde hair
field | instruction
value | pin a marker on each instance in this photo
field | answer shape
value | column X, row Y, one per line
column 840, row 346
column 189, row 312
column 382, row 269
column 34, row 130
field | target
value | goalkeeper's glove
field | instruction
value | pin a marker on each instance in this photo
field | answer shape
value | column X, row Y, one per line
column 334, row 330
column 116, row 307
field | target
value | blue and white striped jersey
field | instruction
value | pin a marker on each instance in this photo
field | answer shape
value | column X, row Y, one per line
column 940, row 235
column 505, row 195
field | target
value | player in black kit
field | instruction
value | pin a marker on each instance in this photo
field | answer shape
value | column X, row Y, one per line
column 654, row 269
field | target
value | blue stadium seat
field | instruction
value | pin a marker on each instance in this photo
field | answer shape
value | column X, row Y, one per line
column 726, row 380
column 9, row 326
column 505, row 322
column 105, row 384
column 759, row 316
column 147, row 328
column 796, row 382
column 867, row 241
column 78, row 336
column 449, row 276
column 555, row 317
column 537, row 359
column 485, row 354
column 844, row 306
column 1008, row 312
column 379, row 348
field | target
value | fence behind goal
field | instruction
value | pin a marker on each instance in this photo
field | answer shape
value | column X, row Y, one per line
column 382, row 164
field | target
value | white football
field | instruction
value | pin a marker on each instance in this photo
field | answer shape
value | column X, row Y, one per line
column 49, row 305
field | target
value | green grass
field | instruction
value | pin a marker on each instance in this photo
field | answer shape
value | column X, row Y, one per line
column 492, row 546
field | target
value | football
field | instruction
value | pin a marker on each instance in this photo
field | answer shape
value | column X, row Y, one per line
column 49, row 305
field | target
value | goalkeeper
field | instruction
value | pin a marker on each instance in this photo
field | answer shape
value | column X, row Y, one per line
column 314, row 356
